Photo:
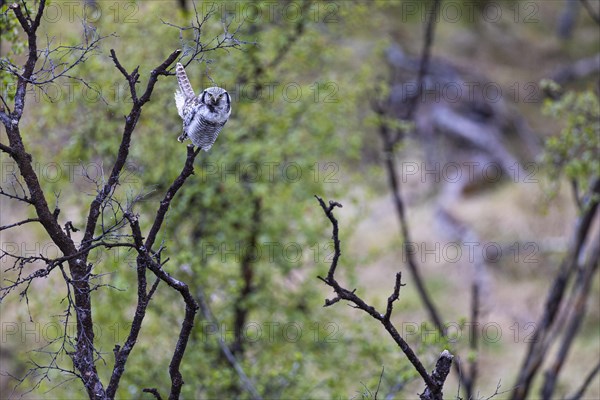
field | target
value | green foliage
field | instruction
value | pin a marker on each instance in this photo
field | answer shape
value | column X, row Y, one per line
column 575, row 152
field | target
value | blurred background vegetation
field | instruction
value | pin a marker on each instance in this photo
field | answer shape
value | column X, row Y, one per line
column 246, row 232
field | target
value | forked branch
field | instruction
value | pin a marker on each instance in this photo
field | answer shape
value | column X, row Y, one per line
column 434, row 382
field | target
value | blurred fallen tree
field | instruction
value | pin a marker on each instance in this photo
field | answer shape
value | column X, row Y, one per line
column 461, row 119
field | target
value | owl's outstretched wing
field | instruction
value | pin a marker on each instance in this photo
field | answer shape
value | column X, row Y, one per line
column 185, row 92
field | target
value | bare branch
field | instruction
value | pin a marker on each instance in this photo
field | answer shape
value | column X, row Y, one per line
column 187, row 171
column 52, row 65
column 395, row 295
column 106, row 215
column 4, row 111
column 539, row 344
column 379, row 383
column 161, row 70
column 497, row 392
column 26, row 221
column 4, row 147
column 191, row 307
column 434, row 382
column 130, row 123
column 84, row 357
column 336, row 241
column 581, row 292
column 23, row 198
column 586, row 383
column 195, row 49
column 154, row 392
column 423, row 65
column 30, row 27
column 145, row 261
column 122, row 353
column 473, row 334
column 438, row 376
column 593, row 14
column 413, row 267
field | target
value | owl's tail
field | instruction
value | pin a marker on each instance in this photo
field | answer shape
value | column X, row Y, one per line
column 184, row 82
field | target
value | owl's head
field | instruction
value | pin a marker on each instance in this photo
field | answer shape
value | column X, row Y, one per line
column 216, row 97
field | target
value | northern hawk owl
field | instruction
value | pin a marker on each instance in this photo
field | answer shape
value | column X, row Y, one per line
column 203, row 116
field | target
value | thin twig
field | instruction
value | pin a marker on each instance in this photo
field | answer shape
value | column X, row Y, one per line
column 586, row 383
column 379, row 383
